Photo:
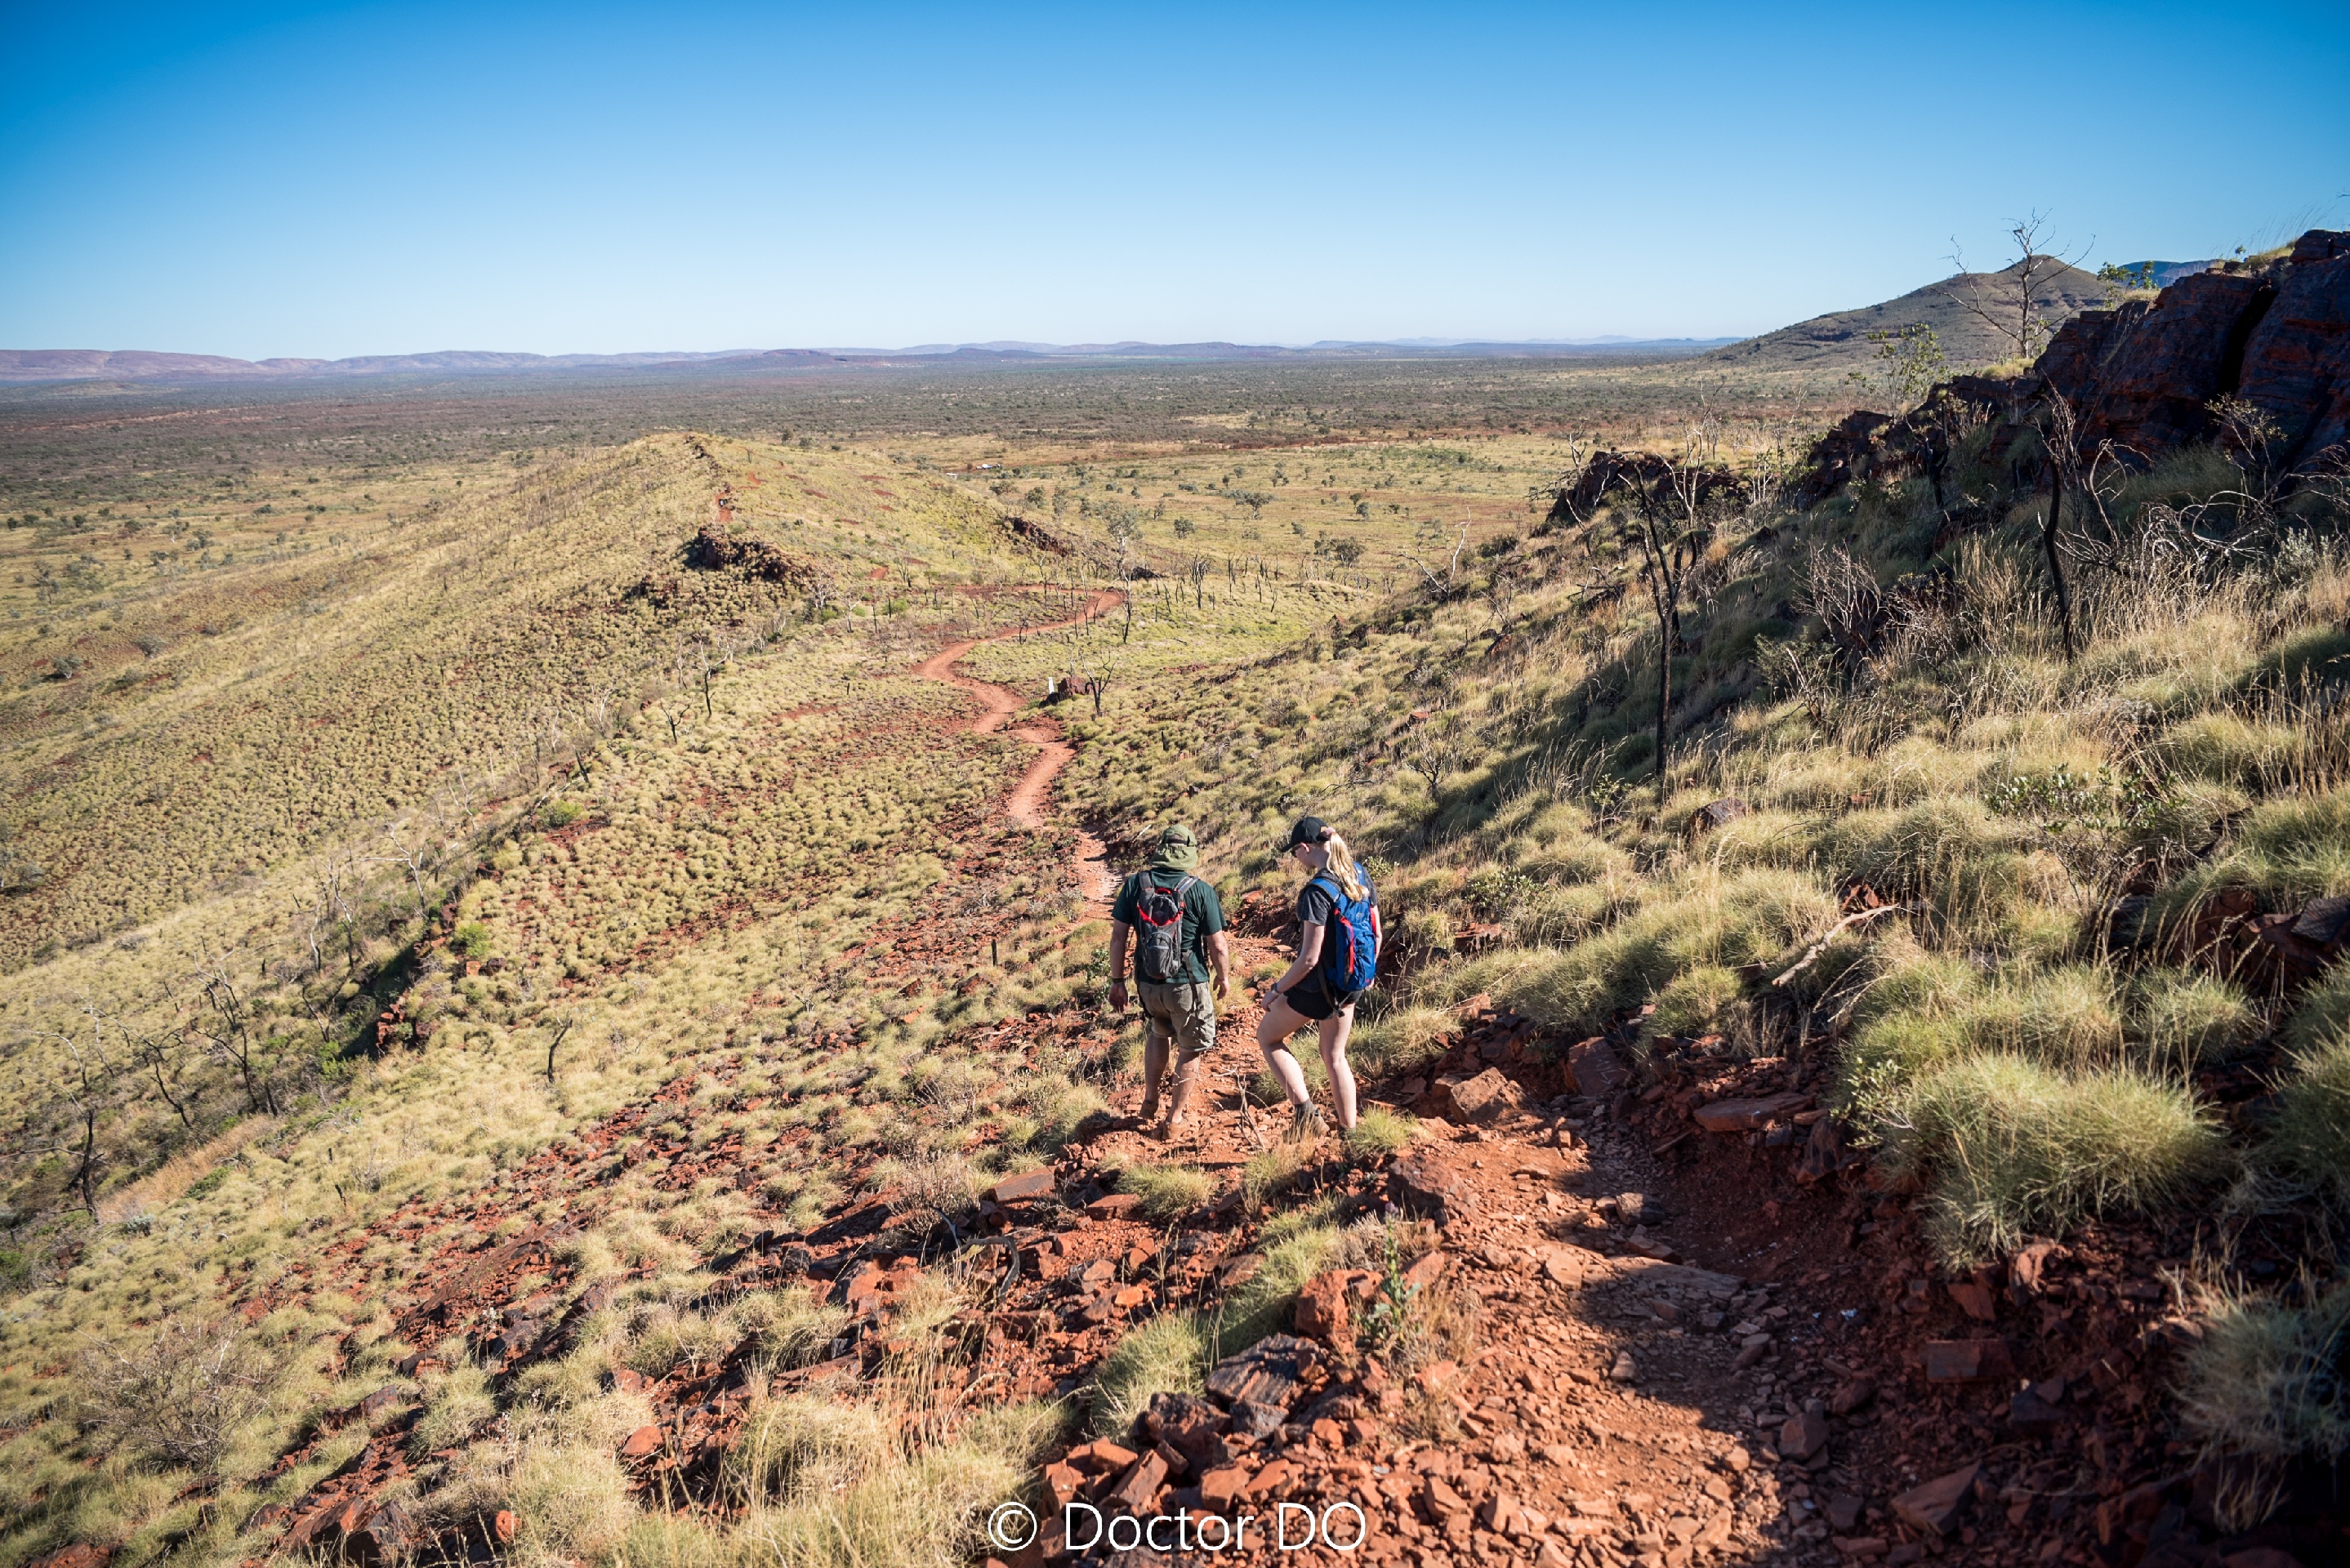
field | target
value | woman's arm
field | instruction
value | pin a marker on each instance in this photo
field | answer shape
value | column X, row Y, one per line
column 1309, row 948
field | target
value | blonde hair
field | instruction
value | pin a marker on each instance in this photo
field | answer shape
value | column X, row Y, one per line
column 1342, row 866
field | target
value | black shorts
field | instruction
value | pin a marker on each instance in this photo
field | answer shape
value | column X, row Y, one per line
column 1312, row 997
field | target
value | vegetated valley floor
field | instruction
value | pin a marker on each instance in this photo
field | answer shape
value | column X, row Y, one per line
column 612, row 1042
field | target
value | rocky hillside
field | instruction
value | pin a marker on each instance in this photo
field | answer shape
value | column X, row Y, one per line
column 1840, row 341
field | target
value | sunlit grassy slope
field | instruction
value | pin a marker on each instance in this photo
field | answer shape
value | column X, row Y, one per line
column 1490, row 749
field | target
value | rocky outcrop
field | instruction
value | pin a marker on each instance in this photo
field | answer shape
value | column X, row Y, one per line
column 2143, row 376
column 1613, row 471
column 711, row 551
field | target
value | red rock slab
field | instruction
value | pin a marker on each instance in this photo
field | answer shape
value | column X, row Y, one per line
column 1746, row 1116
column 1968, row 1360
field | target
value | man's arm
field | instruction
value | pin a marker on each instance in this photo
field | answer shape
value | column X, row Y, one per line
column 1118, row 931
column 1219, row 958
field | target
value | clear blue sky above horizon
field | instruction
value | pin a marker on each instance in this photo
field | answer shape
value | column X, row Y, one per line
column 266, row 180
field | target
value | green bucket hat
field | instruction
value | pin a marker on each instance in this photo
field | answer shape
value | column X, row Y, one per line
column 1179, row 848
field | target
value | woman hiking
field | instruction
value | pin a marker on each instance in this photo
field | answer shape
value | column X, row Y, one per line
column 1338, row 957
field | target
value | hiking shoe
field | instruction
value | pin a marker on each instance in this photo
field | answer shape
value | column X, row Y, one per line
column 1306, row 1126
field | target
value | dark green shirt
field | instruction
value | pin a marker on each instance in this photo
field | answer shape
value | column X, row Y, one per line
column 1203, row 915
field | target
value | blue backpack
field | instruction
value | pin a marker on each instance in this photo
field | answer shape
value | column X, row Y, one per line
column 1351, row 947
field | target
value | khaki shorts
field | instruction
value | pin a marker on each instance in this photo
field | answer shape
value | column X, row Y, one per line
column 1184, row 1014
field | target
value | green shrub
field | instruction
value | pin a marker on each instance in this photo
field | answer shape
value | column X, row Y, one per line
column 1168, row 1192
column 2310, row 1139
column 2264, row 1382
column 1261, row 1304
column 2011, row 1146
column 1706, row 918
column 2183, row 1019
column 1272, row 1171
column 472, row 939
column 1399, row 1041
column 1700, row 1001
column 1378, row 1133
column 1165, row 1355
column 2324, row 1011
column 563, row 812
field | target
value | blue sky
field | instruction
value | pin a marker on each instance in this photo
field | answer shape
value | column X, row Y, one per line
column 325, row 180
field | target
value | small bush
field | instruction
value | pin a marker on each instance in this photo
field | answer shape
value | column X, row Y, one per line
column 1404, row 1039
column 563, row 812
column 796, row 1327
column 1261, row 1304
column 472, row 939
column 2310, row 1139
column 1165, row 1355
column 1168, row 1192
column 1701, row 1001
column 806, row 1448
column 182, row 1396
column 2186, row 1020
column 2011, row 1146
column 2323, row 1014
column 1274, row 1171
column 1379, row 1132
column 454, row 1411
column 2264, row 1382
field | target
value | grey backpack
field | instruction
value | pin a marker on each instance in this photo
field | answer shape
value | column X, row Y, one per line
column 1159, row 953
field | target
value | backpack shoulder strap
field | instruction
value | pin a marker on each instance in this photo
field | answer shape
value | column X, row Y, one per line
column 1182, row 888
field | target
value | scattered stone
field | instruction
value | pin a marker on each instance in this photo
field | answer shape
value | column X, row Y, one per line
column 1139, row 1488
column 1852, row 1394
column 1802, row 1436
column 1027, row 1185
column 1266, row 1373
column 1715, row 814
column 504, row 1525
column 1625, row 1369
column 1973, row 1300
column 1115, row 1206
column 641, row 1443
column 1253, row 1419
column 1322, row 1312
column 1221, row 1488
column 1491, row 1093
column 1935, row 1506
column 2032, row 1417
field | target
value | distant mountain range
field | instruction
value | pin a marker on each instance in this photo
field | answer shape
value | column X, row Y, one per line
column 40, row 365
column 1829, row 343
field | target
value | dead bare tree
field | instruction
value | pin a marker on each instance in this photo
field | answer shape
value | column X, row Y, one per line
column 2008, row 301
column 1665, row 518
column 2060, row 433
column 1450, row 578
column 225, row 1019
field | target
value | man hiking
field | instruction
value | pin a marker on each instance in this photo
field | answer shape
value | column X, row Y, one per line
column 1175, row 924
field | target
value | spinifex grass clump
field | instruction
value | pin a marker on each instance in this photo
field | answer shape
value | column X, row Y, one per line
column 2010, row 1147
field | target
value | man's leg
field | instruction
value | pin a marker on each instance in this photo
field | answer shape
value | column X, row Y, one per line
column 1195, row 1037
column 1334, row 1030
column 1156, row 1036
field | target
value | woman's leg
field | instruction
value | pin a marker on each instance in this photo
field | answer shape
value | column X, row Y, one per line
column 1279, row 1022
column 1334, row 1030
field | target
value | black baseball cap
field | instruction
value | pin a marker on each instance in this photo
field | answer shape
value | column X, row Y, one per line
column 1306, row 830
